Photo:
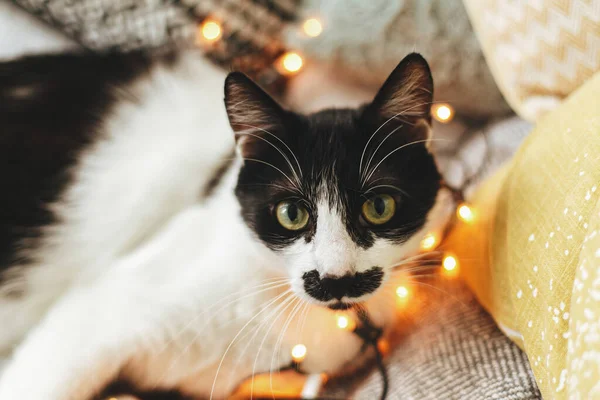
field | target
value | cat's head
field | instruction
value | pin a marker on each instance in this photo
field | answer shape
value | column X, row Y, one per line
column 340, row 195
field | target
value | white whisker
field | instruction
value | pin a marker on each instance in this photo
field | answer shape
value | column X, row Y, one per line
column 293, row 301
column 255, row 332
column 392, row 152
column 212, row 391
column 175, row 336
column 272, row 166
column 387, row 186
column 280, row 152
column 361, row 171
column 277, row 348
column 282, row 142
column 380, row 144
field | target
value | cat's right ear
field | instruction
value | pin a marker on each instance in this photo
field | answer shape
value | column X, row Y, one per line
column 252, row 112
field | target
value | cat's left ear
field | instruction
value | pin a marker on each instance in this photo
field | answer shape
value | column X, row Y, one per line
column 251, row 111
column 407, row 95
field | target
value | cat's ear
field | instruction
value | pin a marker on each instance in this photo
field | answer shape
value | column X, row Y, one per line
column 407, row 93
column 251, row 111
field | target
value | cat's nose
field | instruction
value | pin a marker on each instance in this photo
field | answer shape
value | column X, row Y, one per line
column 336, row 287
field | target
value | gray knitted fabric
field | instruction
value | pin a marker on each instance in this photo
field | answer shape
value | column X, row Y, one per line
column 455, row 352
column 468, row 155
column 366, row 39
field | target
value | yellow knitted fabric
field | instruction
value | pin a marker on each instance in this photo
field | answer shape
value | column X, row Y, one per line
column 532, row 255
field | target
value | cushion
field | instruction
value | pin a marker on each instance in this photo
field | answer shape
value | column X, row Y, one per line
column 533, row 251
column 539, row 51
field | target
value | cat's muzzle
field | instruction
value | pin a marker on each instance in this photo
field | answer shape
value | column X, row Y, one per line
column 350, row 286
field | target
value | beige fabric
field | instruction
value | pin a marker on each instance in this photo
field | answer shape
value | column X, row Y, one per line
column 583, row 350
column 539, row 51
column 533, row 256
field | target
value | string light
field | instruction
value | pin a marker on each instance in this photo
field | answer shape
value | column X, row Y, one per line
column 465, row 213
column 290, row 63
column 344, row 322
column 402, row 292
column 428, row 242
column 312, row 27
column 383, row 346
column 443, row 112
column 298, row 352
column 449, row 263
column 210, row 30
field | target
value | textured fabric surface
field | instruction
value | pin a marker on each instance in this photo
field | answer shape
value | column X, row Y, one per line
column 250, row 36
column 21, row 33
column 533, row 257
column 539, row 51
column 365, row 40
column 453, row 351
column 468, row 155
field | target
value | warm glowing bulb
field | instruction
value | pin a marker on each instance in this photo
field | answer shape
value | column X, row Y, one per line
column 443, row 113
column 402, row 292
column 465, row 213
column 298, row 352
column 291, row 63
column 342, row 322
column 449, row 263
column 428, row 242
column 211, row 30
column 312, row 27
column 383, row 346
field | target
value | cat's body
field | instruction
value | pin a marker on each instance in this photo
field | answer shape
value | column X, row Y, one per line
column 133, row 241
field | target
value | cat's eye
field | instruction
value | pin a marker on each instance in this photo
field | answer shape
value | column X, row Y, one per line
column 379, row 209
column 291, row 216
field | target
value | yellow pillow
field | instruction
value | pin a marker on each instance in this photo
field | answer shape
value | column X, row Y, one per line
column 532, row 254
column 539, row 51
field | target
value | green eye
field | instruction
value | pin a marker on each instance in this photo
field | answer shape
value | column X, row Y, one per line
column 291, row 215
column 379, row 209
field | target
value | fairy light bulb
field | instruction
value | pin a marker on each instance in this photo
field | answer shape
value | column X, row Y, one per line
column 449, row 263
column 465, row 213
column 383, row 346
column 211, row 30
column 298, row 352
column 342, row 322
column 443, row 113
column 290, row 63
column 312, row 27
column 428, row 242
column 402, row 292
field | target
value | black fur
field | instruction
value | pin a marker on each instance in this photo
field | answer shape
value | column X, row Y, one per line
column 51, row 109
column 355, row 285
column 328, row 146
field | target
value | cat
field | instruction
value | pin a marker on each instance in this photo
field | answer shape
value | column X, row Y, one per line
column 156, row 235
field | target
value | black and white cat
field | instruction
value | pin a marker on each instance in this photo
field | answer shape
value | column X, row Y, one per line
column 152, row 235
